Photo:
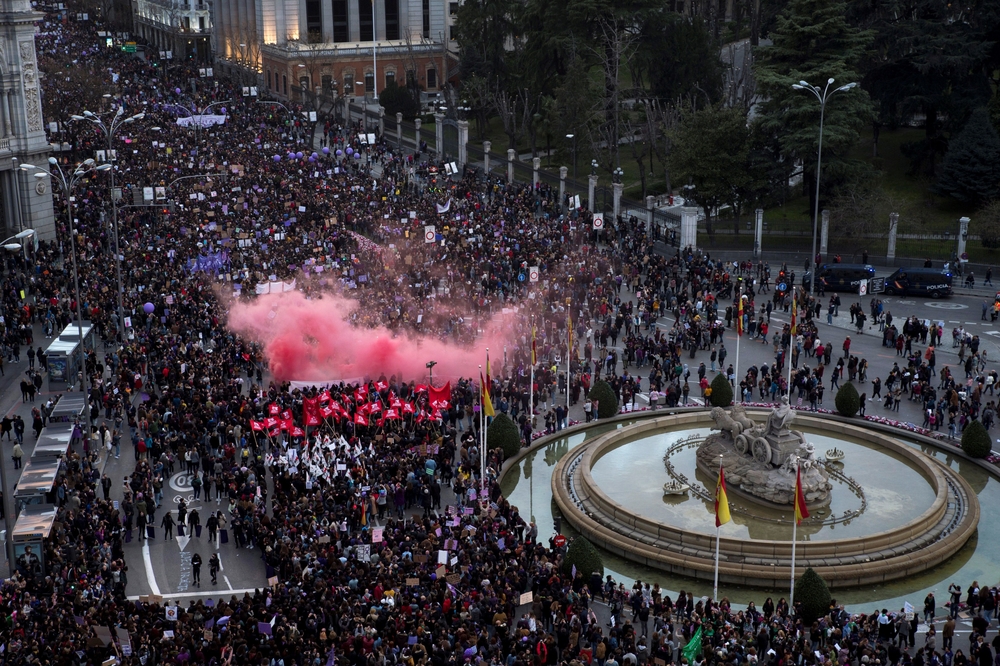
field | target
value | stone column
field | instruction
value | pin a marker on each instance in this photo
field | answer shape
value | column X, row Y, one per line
column 689, row 227
column 562, row 185
column 439, row 134
column 511, row 154
column 824, row 232
column 486, row 156
column 416, row 141
column 963, row 232
column 617, row 189
column 536, row 162
column 890, row 252
column 399, row 131
column 463, row 141
column 650, row 208
column 758, row 234
column 6, row 112
column 381, row 120
column 591, row 186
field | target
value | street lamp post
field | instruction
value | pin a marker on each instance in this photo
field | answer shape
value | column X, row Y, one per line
column 822, row 96
column 572, row 137
column 109, row 130
column 66, row 184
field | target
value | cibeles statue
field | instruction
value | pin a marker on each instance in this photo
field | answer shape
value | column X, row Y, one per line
column 761, row 459
column 781, row 418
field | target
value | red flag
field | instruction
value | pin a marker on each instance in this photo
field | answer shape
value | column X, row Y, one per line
column 325, row 396
column 407, row 408
column 326, row 411
column 286, row 424
column 374, row 407
column 381, row 386
column 395, row 402
column 313, row 420
column 441, row 397
column 257, row 426
column 271, row 422
column 273, row 409
column 391, row 413
column 359, row 419
column 287, row 414
column 298, row 432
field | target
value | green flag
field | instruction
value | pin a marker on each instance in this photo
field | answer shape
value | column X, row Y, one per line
column 693, row 647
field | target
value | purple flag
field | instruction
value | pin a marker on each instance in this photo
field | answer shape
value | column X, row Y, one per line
column 264, row 628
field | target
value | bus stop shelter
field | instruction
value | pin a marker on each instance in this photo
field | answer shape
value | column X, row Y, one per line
column 53, row 442
column 69, row 408
column 33, row 527
column 38, row 480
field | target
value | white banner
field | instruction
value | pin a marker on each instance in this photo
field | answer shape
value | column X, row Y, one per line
column 203, row 120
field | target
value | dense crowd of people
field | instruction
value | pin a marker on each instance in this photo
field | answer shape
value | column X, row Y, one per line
column 365, row 500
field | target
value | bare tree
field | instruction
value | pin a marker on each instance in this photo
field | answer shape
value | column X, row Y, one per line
column 515, row 110
column 615, row 51
column 244, row 46
column 740, row 86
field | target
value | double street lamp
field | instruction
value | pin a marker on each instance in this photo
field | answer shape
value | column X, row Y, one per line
column 67, row 183
column 821, row 95
column 110, row 129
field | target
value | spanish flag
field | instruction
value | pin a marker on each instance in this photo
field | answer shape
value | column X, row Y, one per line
column 801, row 512
column 487, row 401
column 721, row 501
column 534, row 358
column 739, row 316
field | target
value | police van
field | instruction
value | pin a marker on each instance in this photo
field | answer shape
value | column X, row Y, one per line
column 933, row 282
column 841, row 277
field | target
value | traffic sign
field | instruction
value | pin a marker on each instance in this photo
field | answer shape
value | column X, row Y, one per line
column 559, row 541
column 533, row 274
column 430, row 233
column 877, row 285
column 598, row 221
column 862, row 287
column 782, row 286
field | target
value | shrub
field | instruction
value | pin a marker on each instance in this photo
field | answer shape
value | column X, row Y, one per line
column 586, row 558
column 848, row 401
column 722, row 392
column 812, row 595
column 607, row 405
column 395, row 98
column 502, row 433
column 976, row 440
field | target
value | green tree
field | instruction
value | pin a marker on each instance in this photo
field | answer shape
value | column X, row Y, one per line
column 986, row 224
column 971, row 168
column 607, row 401
column 582, row 554
column 502, row 433
column 812, row 42
column 929, row 56
column 812, row 596
column 848, row 401
column 482, row 28
column 722, row 391
column 711, row 153
column 398, row 99
column 678, row 58
column 976, row 440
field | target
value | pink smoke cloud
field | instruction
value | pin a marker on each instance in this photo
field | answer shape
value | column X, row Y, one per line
column 313, row 340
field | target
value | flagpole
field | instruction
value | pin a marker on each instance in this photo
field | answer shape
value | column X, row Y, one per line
column 718, row 529
column 482, row 431
column 791, row 342
column 736, row 371
column 531, row 385
column 569, row 351
column 795, row 526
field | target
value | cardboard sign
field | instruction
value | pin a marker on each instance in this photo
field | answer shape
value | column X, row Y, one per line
column 527, row 598
column 412, row 582
column 441, row 571
column 272, row 581
column 454, row 578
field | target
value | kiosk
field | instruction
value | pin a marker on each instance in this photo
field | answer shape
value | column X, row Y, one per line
column 37, row 483
column 69, row 408
column 54, row 442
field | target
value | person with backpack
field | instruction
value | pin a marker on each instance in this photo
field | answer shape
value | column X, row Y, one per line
column 213, row 567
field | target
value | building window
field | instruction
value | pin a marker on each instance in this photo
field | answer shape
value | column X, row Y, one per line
column 369, row 82
column 427, row 19
column 314, row 22
column 411, row 79
column 453, row 8
column 390, row 78
column 365, row 20
column 268, row 79
column 348, row 81
column 327, row 83
column 201, row 24
column 284, row 84
column 341, row 31
column 431, row 78
column 304, row 83
column 392, row 19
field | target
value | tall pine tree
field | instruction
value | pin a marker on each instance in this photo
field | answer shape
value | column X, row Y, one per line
column 971, row 168
column 812, row 42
